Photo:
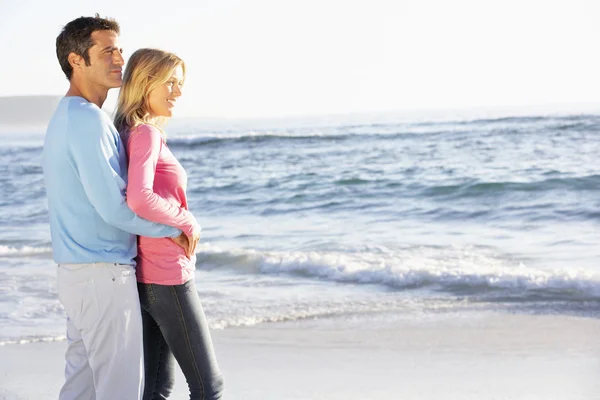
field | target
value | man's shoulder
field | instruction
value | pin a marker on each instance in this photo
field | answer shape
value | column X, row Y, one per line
column 87, row 117
column 82, row 110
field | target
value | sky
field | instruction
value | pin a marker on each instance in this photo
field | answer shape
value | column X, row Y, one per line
column 264, row 58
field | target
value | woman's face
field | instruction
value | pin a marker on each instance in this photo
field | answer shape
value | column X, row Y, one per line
column 161, row 100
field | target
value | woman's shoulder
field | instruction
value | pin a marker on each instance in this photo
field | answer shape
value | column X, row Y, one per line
column 147, row 131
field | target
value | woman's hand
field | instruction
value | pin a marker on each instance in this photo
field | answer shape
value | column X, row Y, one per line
column 188, row 243
column 193, row 241
column 183, row 241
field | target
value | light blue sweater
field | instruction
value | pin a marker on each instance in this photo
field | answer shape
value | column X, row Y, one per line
column 85, row 171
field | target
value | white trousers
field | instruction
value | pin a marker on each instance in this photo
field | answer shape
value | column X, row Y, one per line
column 104, row 332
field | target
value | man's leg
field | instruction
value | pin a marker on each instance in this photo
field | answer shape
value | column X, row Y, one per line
column 73, row 281
column 114, row 342
column 79, row 383
column 102, row 302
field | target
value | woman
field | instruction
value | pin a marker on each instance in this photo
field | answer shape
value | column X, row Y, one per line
column 175, row 326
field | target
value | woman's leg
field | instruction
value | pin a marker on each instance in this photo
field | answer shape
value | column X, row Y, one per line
column 159, row 363
column 185, row 329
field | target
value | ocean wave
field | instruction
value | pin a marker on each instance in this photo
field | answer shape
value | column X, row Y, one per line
column 190, row 138
column 479, row 189
column 287, row 315
column 193, row 141
column 33, row 339
column 7, row 251
column 479, row 128
column 458, row 272
column 525, row 119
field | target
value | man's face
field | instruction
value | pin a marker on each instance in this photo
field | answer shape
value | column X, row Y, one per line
column 106, row 60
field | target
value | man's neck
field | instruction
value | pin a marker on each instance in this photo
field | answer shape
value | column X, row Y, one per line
column 89, row 93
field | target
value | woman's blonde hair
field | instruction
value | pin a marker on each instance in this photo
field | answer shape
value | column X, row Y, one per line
column 146, row 70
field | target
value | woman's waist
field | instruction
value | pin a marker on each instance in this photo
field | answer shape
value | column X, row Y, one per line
column 160, row 248
column 164, row 260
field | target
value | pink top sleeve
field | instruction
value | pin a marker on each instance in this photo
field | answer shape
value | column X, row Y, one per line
column 144, row 149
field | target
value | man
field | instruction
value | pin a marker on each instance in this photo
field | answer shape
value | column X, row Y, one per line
column 93, row 232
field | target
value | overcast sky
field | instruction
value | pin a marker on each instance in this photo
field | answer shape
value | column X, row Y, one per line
column 283, row 57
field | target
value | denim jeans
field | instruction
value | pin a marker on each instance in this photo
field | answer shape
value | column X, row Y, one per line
column 175, row 328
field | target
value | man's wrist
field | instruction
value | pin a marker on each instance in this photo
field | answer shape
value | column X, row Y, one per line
column 177, row 233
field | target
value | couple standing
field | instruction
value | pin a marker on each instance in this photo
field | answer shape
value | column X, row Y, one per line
column 118, row 350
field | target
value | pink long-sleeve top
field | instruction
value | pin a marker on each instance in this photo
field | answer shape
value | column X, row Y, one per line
column 156, row 192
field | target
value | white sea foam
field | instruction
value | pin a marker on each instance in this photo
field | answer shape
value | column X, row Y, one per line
column 23, row 251
column 245, row 287
column 34, row 339
column 466, row 270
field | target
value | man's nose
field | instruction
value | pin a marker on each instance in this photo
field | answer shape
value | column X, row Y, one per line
column 118, row 59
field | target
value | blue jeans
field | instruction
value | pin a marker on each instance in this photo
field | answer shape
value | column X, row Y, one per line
column 175, row 328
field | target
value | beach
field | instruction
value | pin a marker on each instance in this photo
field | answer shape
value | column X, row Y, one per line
column 344, row 258
column 397, row 200
column 478, row 356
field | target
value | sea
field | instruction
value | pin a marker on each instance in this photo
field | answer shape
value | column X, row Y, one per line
column 350, row 217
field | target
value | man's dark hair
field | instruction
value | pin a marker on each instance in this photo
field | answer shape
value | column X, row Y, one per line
column 76, row 37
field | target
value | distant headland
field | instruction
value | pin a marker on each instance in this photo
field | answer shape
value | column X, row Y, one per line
column 27, row 110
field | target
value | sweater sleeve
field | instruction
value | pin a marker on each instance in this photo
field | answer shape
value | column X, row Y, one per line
column 145, row 144
column 95, row 158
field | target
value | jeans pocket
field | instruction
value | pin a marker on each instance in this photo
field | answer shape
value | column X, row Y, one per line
column 80, row 301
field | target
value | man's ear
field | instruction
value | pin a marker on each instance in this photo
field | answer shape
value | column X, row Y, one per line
column 76, row 61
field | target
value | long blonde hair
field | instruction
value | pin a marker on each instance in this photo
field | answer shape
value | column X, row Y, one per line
column 146, row 70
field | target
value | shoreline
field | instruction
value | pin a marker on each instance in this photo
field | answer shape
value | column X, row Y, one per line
column 483, row 356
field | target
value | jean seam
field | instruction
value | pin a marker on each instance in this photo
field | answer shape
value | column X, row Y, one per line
column 158, row 366
column 187, row 340
column 151, row 296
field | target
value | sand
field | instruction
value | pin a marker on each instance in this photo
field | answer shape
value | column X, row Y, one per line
column 481, row 355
